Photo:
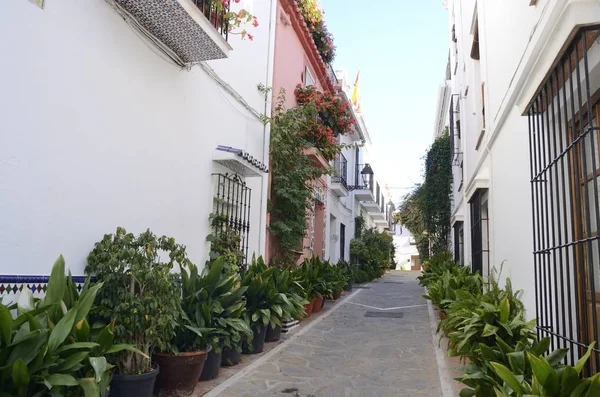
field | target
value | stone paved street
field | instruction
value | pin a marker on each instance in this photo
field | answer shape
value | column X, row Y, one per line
column 348, row 354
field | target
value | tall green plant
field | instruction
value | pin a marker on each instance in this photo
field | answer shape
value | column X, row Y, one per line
column 292, row 174
column 49, row 348
column 436, row 205
column 214, row 305
column 141, row 292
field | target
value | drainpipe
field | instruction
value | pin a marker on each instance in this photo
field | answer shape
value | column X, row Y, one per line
column 262, row 236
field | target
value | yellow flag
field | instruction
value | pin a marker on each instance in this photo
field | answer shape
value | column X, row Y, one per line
column 355, row 92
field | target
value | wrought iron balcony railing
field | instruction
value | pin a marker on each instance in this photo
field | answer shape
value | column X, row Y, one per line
column 340, row 167
column 363, row 178
column 215, row 17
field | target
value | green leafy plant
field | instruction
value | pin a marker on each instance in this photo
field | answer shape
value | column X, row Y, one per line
column 373, row 251
column 49, row 348
column 533, row 375
column 445, row 290
column 225, row 242
column 496, row 314
column 214, row 305
column 313, row 16
column 481, row 380
column 426, row 211
column 141, row 293
column 292, row 173
column 290, row 297
column 263, row 305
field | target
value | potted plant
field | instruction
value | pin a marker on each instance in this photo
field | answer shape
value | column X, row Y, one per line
column 304, row 285
column 215, row 302
column 47, row 346
column 291, row 303
column 141, row 295
column 262, row 306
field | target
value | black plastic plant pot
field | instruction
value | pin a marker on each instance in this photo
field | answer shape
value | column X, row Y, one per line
column 273, row 334
column 211, row 366
column 230, row 357
column 348, row 287
column 258, row 342
column 141, row 385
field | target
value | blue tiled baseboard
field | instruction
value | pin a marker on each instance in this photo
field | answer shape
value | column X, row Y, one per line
column 13, row 284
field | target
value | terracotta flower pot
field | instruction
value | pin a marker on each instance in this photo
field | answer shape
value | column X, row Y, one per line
column 317, row 304
column 337, row 294
column 179, row 373
column 308, row 309
column 443, row 315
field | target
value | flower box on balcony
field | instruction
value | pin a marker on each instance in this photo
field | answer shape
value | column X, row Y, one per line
column 191, row 30
column 317, row 159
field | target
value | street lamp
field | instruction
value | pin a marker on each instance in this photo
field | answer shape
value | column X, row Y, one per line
column 367, row 176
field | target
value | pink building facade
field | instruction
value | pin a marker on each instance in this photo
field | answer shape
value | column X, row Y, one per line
column 297, row 61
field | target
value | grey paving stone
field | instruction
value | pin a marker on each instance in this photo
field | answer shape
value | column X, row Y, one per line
column 348, row 355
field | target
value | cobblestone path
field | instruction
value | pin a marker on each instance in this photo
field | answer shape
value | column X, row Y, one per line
column 376, row 343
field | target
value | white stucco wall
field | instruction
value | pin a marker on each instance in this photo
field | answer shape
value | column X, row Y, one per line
column 97, row 131
column 518, row 45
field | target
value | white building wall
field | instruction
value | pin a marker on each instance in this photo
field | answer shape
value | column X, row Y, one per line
column 97, row 131
column 518, row 44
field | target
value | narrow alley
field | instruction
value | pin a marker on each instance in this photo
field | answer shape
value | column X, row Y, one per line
column 375, row 342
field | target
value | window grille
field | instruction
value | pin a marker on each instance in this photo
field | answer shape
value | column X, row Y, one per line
column 564, row 164
column 479, row 232
column 231, row 209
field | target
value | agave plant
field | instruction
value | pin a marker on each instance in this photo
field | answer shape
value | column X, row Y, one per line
column 49, row 348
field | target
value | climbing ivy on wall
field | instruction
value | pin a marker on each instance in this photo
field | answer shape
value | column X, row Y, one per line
column 426, row 211
column 438, row 190
column 292, row 174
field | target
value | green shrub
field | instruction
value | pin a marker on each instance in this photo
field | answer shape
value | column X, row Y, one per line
column 141, row 292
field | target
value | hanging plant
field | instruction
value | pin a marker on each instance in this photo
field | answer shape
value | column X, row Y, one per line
column 334, row 119
column 234, row 20
column 313, row 16
column 292, row 176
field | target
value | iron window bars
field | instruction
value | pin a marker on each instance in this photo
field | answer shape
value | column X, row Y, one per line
column 479, row 232
column 564, row 165
column 232, row 210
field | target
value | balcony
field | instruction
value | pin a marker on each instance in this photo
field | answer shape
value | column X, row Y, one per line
column 363, row 188
column 339, row 184
column 316, row 157
column 188, row 31
column 371, row 207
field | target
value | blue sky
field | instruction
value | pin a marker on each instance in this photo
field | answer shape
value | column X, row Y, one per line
column 401, row 49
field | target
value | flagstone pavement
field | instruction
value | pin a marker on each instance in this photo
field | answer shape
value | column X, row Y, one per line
column 354, row 351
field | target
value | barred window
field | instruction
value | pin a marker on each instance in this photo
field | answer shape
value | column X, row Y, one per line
column 230, row 219
column 565, row 165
